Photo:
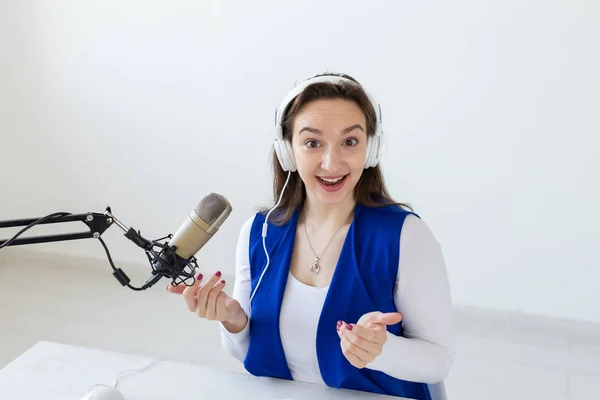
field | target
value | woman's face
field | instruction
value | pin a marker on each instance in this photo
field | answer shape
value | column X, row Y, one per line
column 329, row 141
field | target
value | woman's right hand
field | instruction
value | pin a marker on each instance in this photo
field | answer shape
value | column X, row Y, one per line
column 210, row 302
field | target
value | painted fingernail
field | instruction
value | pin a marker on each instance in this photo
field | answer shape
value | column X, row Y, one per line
column 223, row 282
column 199, row 277
column 218, row 273
column 339, row 324
column 349, row 327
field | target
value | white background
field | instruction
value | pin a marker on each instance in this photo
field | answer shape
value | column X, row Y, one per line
column 490, row 110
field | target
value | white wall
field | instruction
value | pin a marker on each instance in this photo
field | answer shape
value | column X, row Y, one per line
column 490, row 107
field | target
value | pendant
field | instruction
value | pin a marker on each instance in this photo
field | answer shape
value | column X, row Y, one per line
column 315, row 267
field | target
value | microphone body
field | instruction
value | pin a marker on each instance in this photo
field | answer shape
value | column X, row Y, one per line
column 192, row 235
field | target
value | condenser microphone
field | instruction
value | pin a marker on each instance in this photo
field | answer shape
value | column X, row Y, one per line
column 195, row 231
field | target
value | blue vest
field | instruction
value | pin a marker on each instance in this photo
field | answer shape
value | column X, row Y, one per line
column 362, row 282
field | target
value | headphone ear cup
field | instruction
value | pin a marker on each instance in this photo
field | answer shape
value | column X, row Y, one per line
column 373, row 145
column 283, row 149
column 290, row 155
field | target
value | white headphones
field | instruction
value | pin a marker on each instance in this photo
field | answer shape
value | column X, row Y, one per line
column 283, row 148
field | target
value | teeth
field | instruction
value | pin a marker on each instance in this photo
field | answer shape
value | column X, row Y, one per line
column 332, row 180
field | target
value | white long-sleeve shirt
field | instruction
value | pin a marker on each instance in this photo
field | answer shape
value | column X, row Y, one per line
column 424, row 353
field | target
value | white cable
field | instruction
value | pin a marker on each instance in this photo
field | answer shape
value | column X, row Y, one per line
column 116, row 379
column 152, row 363
column 264, row 236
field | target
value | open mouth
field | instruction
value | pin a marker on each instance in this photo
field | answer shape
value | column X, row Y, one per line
column 332, row 184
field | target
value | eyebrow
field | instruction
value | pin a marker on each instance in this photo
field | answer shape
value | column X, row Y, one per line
column 344, row 132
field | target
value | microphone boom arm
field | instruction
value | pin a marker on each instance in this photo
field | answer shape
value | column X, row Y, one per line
column 96, row 222
column 166, row 264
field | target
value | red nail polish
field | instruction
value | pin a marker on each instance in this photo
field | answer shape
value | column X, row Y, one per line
column 339, row 324
column 199, row 277
column 218, row 274
column 349, row 327
column 223, row 282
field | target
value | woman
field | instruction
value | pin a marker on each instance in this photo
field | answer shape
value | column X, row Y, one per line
column 337, row 284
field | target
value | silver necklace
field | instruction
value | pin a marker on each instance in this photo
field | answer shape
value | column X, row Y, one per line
column 315, row 267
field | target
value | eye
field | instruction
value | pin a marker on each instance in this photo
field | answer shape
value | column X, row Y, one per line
column 351, row 142
column 311, row 144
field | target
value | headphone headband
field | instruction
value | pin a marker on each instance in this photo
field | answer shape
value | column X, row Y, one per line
column 280, row 111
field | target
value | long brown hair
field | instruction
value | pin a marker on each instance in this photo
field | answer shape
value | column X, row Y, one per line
column 370, row 189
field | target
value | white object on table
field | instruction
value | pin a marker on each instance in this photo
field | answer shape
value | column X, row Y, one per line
column 63, row 372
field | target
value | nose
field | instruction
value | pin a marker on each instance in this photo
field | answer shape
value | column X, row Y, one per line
column 331, row 158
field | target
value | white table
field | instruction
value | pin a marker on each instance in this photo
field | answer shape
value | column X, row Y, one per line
column 56, row 371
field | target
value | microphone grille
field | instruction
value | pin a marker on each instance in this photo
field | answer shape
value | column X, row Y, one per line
column 214, row 210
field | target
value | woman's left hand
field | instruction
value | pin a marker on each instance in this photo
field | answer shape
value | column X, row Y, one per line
column 363, row 342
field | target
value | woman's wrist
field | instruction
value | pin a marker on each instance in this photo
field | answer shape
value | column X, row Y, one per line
column 237, row 323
